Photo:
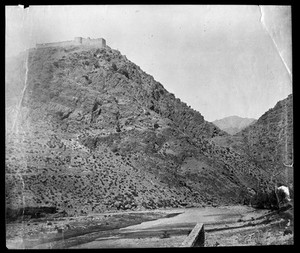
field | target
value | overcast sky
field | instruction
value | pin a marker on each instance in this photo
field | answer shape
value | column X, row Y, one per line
column 221, row 60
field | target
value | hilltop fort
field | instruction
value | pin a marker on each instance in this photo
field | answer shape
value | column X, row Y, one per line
column 99, row 42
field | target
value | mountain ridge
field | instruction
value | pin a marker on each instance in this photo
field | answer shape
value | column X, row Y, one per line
column 269, row 141
column 233, row 124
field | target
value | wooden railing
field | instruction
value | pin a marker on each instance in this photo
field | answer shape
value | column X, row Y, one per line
column 196, row 238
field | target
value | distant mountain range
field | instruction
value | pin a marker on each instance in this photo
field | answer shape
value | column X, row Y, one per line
column 233, row 124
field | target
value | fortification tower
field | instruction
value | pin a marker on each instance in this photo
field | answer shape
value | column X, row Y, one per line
column 103, row 42
column 78, row 40
column 100, row 42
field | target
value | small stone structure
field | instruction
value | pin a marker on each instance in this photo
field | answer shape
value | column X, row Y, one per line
column 100, row 42
column 196, row 238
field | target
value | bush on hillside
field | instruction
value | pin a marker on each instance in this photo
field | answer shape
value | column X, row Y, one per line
column 265, row 200
column 124, row 72
column 114, row 67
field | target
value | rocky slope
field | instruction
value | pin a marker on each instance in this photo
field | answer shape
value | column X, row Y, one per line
column 269, row 141
column 233, row 124
column 94, row 132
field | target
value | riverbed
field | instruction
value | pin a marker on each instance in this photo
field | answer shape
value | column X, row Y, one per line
column 171, row 232
column 134, row 229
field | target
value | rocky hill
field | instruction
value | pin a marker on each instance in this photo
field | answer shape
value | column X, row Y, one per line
column 233, row 124
column 269, row 141
column 94, row 132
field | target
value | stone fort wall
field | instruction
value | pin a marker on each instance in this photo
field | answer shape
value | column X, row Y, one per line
column 100, row 42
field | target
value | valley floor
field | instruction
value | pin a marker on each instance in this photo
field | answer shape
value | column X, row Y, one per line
column 224, row 226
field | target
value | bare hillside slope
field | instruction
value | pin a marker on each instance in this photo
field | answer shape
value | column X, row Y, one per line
column 269, row 141
column 95, row 132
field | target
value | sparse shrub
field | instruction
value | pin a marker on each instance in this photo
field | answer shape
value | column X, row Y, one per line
column 124, row 72
column 287, row 231
column 156, row 126
column 60, row 114
column 114, row 149
column 165, row 235
column 114, row 67
column 265, row 200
